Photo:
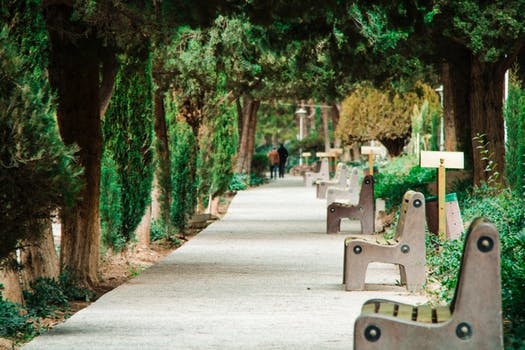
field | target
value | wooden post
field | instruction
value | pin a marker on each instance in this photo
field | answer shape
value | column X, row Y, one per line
column 442, row 223
column 371, row 163
column 442, row 161
column 371, row 151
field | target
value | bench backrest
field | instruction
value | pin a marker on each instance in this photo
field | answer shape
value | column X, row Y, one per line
column 324, row 169
column 479, row 276
column 341, row 174
column 366, row 195
column 411, row 215
column 353, row 180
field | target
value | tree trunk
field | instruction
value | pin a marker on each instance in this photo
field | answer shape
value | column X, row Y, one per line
column 74, row 72
column 336, row 109
column 162, row 177
column 143, row 229
column 326, row 135
column 247, row 126
column 39, row 258
column 9, row 279
column 394, row 146
column 252, row 127
column 456, row 81
column 486, row 116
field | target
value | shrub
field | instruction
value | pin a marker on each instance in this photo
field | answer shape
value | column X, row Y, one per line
column 13, row 319
column 239, row 182
column 259, row 165
column 45, row 297
column 507, row 211
column 157, row 230
column 400, row 175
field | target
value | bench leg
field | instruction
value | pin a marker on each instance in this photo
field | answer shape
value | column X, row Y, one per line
column 367, row 222
column 333, row 220
column 355, row 268
column 413, row 276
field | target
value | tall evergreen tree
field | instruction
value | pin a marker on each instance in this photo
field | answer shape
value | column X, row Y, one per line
column 37, row 172
column 128, row 133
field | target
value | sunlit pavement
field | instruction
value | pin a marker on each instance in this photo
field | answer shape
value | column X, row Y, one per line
column 266, row 276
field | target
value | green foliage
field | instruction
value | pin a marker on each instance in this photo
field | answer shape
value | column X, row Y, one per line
column 507, row 211
column 257, row 180
column 239, row 182
column 224, row 145
column 515, row 151
column 157, row 230
column 373, row 114
column 128, row 128
column 70, row 285
column 48, row 295
column 259, row 164
column 45, row 297
column 110, row 205
column 37, row 172
column 14, row 321
column 400, row 175
column 183, row 172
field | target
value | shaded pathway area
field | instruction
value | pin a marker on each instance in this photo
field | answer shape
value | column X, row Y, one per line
column 266, row 276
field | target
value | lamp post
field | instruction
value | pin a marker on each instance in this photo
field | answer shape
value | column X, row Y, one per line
column 301, row 112
column 439, row 90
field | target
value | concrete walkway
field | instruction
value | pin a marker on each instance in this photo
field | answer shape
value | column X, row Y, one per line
column 266, row 276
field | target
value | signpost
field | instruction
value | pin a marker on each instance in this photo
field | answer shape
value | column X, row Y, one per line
column 371, row 151
column 442, row 161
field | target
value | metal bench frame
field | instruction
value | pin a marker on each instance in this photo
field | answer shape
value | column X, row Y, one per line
column 474, row 319
column 407, row 249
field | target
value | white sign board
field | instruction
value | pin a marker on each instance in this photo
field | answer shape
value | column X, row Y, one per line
column 451, row 160
column 321, row 154
column 306, row 154
column 370, row 150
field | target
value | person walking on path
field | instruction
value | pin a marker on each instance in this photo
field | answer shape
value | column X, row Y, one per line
column 283, row 155
column 273, row 157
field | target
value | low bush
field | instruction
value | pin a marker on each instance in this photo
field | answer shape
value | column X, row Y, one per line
column 507, row 211
column 45, row 297
column 239, row 182
column 260, row 165
column 400, row 175
column 14, row 321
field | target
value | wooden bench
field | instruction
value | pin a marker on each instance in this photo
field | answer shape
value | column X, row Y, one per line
column 473, row 319
column 407, row 249
column 340, row 179
column 348, row 194
column 323, row 174
column 364, row 211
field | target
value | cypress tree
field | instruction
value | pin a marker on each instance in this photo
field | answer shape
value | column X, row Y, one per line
column 37, row 174
column 128, row 133
column 184, row 185
column 515, row 152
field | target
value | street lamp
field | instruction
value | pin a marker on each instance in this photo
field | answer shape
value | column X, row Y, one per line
column 439, row 90
column 301, row 112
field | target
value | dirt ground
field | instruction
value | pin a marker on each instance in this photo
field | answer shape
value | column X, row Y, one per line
column 116, row 269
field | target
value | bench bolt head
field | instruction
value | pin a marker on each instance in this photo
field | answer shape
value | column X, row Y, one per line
column 332, row 210
column 372, row 333
column 485, row 244
column 405, row 249
column 417, row 203
column 464, row 331
column 358, row 249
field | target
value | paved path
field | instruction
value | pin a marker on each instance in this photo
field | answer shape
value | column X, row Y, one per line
column 266, row 276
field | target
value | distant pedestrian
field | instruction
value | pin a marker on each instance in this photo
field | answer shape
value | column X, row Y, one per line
column 283, row 155
column 273, row 157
